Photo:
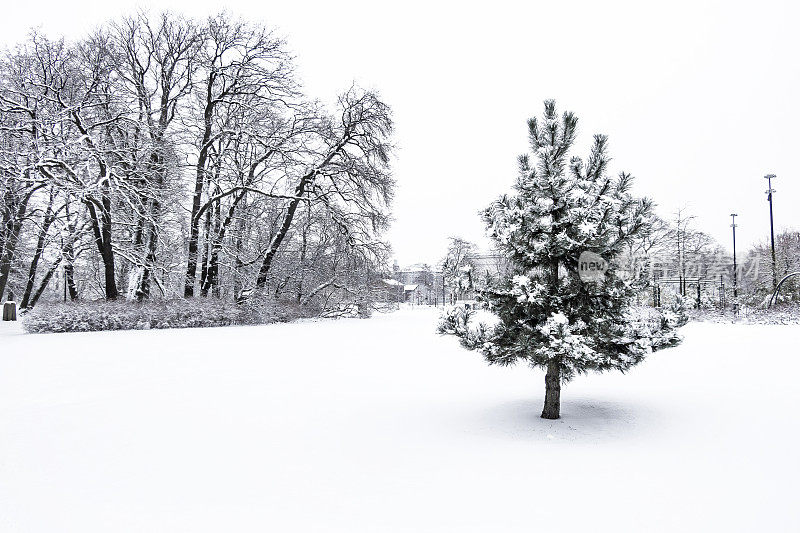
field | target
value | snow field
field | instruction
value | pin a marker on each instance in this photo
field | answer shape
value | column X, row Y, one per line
column 382, row 425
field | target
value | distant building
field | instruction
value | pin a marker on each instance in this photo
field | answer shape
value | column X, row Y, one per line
column 419, row 294
column 489, row 265
column 421, row 284
column 479, row 269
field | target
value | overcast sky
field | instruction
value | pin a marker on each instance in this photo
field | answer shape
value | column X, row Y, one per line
column 699, row 99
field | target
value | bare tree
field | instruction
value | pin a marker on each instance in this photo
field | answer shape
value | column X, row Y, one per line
column 99, row 136
column 348, row 174
column 242, row 69
column 157, row 60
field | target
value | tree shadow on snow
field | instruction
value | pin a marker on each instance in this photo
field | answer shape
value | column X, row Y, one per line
column 582, row 420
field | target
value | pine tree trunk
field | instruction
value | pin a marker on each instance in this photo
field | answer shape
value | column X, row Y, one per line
column 552, row 395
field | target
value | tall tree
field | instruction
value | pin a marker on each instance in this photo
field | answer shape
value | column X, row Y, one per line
column 48, row 217
column 550, row 315
column 241, row 69
column 116, row 122
column 346, row 171
column 157, row 61
column 458, row 266
column 81, row 157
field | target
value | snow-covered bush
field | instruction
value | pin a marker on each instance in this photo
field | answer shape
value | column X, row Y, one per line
column 655, row 329
column 267, row 311
column 453, row 320
column 475, row 328
column 156, row 314
column 675, row 315
column 709, row 300
column 481, row 329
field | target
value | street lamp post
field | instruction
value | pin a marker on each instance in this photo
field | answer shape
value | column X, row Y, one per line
column 770, row 190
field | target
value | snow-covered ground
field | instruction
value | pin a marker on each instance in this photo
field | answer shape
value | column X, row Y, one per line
column 381, row 425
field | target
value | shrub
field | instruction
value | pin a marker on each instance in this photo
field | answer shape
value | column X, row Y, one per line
column 655, row 329
column 261, row 311
column 157, row 314
column 475, row 328
column 454, row 320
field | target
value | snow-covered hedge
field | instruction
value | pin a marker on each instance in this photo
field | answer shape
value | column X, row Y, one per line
column 156, row 314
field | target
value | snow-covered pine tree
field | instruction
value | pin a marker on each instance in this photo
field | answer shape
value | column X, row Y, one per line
column 549, row 317
column 458, row 266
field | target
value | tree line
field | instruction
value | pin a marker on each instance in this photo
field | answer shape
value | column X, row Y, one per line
column 166, row 156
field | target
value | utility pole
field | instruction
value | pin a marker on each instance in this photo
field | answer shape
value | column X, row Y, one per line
column 770, row 190
column 735, row 284
column 682, row 223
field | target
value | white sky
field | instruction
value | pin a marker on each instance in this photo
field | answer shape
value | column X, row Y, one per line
column 699, row 99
